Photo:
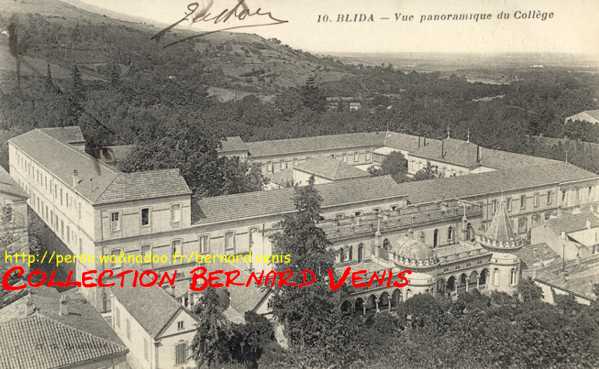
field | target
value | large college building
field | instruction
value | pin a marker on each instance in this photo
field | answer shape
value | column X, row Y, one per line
column 457, row 232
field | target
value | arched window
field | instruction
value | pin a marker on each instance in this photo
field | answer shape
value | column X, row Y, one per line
column 360, row 252
column 350, row 252
column 341, row 255
column 435, row 238
column 450, row 234
column 469, row 232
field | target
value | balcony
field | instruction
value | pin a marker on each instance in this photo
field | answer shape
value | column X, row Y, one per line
column 396, row 220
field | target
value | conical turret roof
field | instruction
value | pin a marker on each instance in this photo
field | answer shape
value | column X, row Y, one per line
column 499, row 234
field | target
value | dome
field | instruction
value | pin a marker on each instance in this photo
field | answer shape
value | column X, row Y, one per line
column 411, row 252
column 413, row 249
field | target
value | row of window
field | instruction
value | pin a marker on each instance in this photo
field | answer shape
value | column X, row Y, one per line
column 176, row 246
column 56, row 223
column 522, row 200
column 346, row 253
column 53, row 188
column 145, row 219
column 355, row 157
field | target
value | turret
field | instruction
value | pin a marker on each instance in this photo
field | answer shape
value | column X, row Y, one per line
column 501, row 241
column 500, row 237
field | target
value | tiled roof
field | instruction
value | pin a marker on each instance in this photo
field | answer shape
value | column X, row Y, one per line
column 500, row 228
column 492, row 182
column 8, row 186
column 144, row 185
column 501, row 160
column 283, row 177
column 578, row 278
column 66, row 135
column 568, row 222
column 42, row 343
column 276, row 202
column 411, row 143
column 153, row 308
column 46, row 301
column 464, row 154
column 233, row 144
column 257, row 204
column 316, row 143
column 538, row 255
column 457, row 152
column 61, row 159
column 241, row 298
column 98, row 182
column 331, row 169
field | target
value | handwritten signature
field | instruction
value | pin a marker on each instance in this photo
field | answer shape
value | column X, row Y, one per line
column 240, row 12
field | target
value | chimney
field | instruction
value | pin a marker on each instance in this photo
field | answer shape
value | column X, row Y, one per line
column 442, row 149
column 76, row 179
column 29, row 306
column 63, row 309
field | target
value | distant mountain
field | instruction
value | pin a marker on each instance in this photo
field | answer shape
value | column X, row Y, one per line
column 248, row 62
column 112, row 14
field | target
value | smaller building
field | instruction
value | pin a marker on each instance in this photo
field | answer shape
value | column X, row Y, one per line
column 589, row 116
column 337, row 103
column 47, row 329
column 37, row 342
column 557, row 277
column 571, row 235
column 234, row 147
column 325, row 171
column 156, row 328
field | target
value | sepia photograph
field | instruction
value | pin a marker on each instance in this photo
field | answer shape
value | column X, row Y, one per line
column 279, row 184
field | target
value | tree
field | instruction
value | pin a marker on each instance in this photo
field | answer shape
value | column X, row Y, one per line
column 76, row 98
column 529, row 291
column 248, row 340
column 115, row 75
column 312, row 96
column 15, row 48
column 303, row 311
column 185, row 142
column 425, row 173
column 210, row 345
column 394, row 164
column 240, row 176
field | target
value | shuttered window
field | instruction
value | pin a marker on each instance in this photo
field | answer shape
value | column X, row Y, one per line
column 180, row 353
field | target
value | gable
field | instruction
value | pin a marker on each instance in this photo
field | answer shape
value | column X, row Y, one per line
column 189, row 323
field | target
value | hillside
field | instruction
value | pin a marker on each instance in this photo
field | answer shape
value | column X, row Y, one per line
column 64, row 34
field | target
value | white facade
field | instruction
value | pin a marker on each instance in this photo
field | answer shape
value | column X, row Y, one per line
column 170, row 349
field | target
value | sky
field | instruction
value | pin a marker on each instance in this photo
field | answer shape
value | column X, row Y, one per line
column 573, row 28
